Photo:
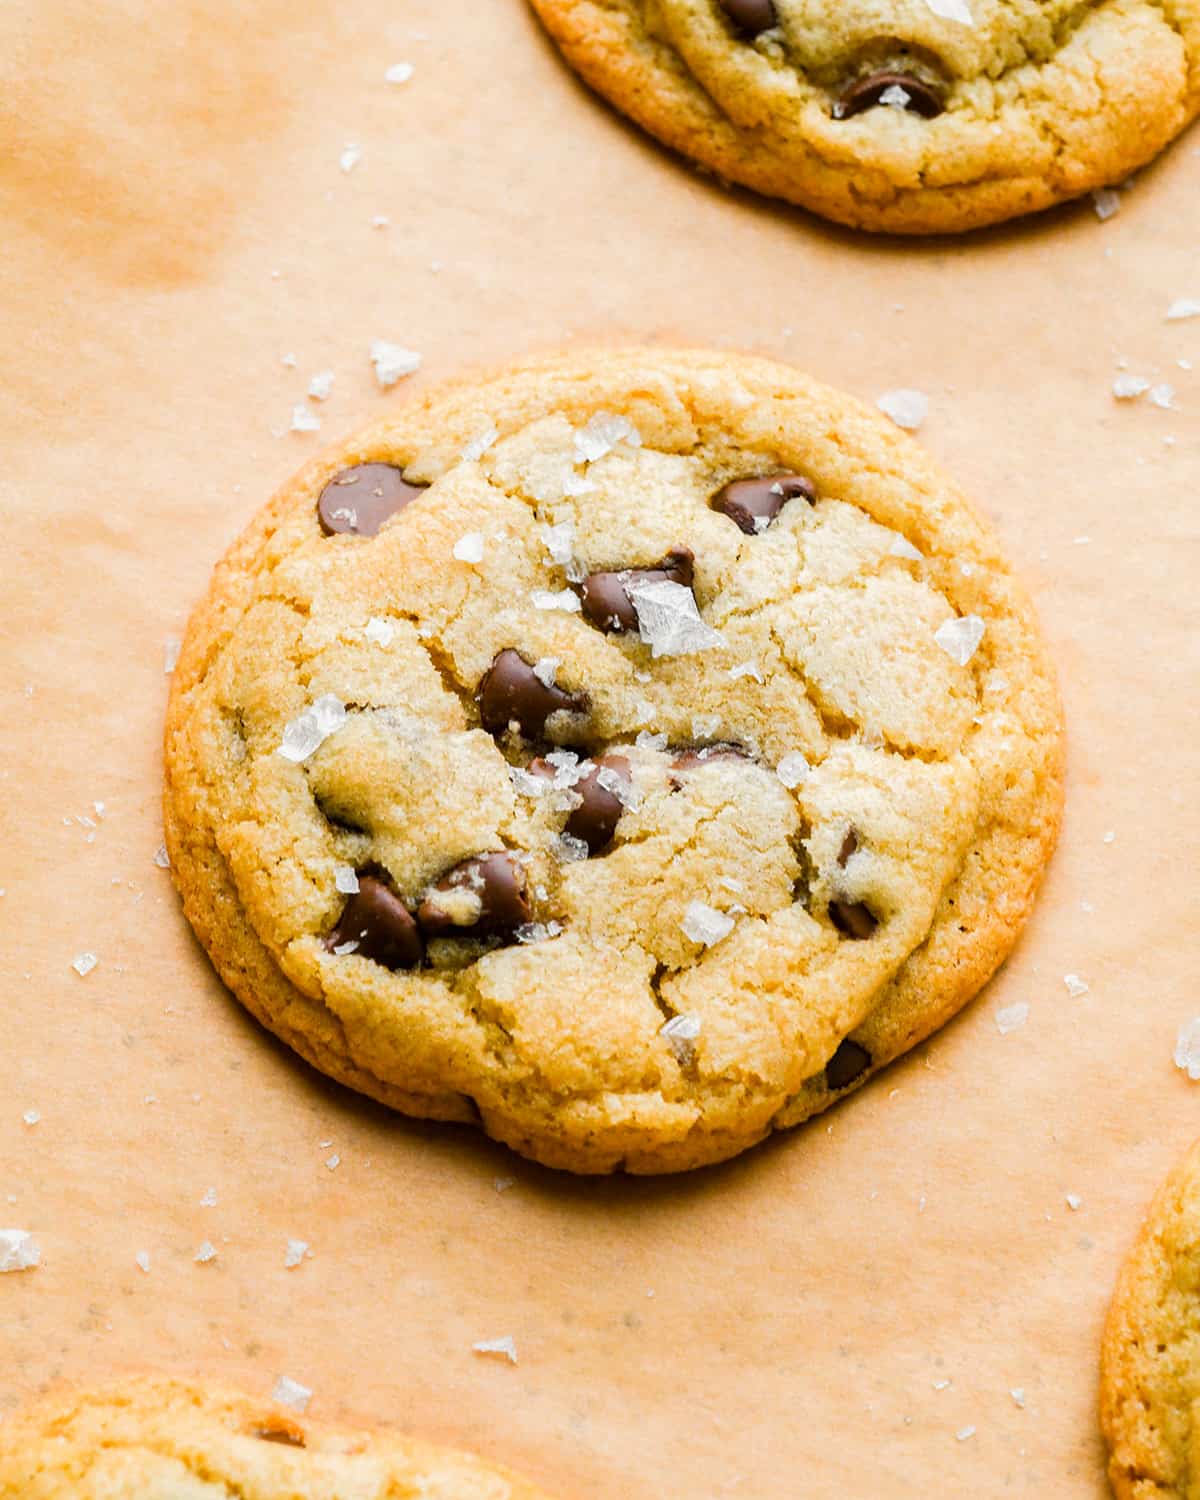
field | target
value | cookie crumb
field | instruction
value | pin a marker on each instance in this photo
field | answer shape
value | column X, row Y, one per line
column 505, row 1347
column 19, row 1251
column 84, row 963
column 1009, row 1017
column 907, row 408
column 392, row 362
column 705, row 924
column 291, row 1393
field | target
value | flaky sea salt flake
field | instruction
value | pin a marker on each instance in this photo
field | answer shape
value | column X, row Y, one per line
column 320, row 385
column 544, row 669
column 964, row 1433
column 19, row 1251
column 1010, row 1017
column 902, row 547
column 601, row 435
column 960, row 637
column 1076, row 987
column 793, row 769
column 504, row 1348
column 379, row 632
column 304, row 420
column 469, row 547
column 895, row 96
column 668, row 620
column 1074, row 1202
column 84, row 963
column 289, row 1392
column 210, row 1199
column 399, row 72
column 392, row 362
column 705, row 924
column 952, row 10
column 297, row 1250
column 1129, row 387
column 142, row 1261
column 31, row 1116
column 1107, row 203
column 304, row 734
column 171, row 649
column 559, row 542
column 1018, row 1395
column 907, row 408
column 1187, row 1049
column 479, row 444
column 1163, row 396
column 746, row 669
column 345, row 880
column 350, row 157
column 1183, row 307
column 682, row 1033
column 206, row 1252
column 565, row 599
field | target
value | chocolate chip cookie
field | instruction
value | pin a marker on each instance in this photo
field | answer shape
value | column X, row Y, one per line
column 914, row 116
column 158, row 1439
column 1150, row 1377
column 628, row 753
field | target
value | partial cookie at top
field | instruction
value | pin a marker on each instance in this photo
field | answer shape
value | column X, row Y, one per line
column 161, row 1439
column 911, row 116
column 1150, row 1370
column 633, row 786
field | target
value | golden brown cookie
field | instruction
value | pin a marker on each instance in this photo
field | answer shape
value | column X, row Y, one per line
column 911, row 116
column 629, row 753
column 1150, row 1371
column 159, row 1439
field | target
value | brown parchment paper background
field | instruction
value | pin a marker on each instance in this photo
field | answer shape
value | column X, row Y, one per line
column 174, row 221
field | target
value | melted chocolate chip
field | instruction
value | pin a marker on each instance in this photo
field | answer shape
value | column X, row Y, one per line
column 849, row 847
column 751, row 16
column 498, row 883
column 700, row 755
column 853, row 919
column 924, row 99
column 359, row 500
column 378, row 921
column 281, row 1432
column 752, row 504
column 595, row 819
column 607, row 605
column 511, row 692
column 849, row 1062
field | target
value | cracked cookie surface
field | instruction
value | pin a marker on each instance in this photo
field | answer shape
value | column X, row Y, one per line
column 161, row 1439
column 907, row 116
column 1150, row 1373
column 676, row 751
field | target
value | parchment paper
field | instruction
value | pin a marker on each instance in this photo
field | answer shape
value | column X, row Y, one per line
column 823, row 1316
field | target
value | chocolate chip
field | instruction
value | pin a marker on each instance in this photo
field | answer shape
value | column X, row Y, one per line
column 498, row 883
column 700, row 755
column 849, row 1062
column 512, row 692
column 378, row 921
column 607, row 605
column 924, row 99
column 281, row 1432
column 359, row 500
column 751, row 16
column 595, row 819
column 752, row 504
column 849, row 847
column 853, row 919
